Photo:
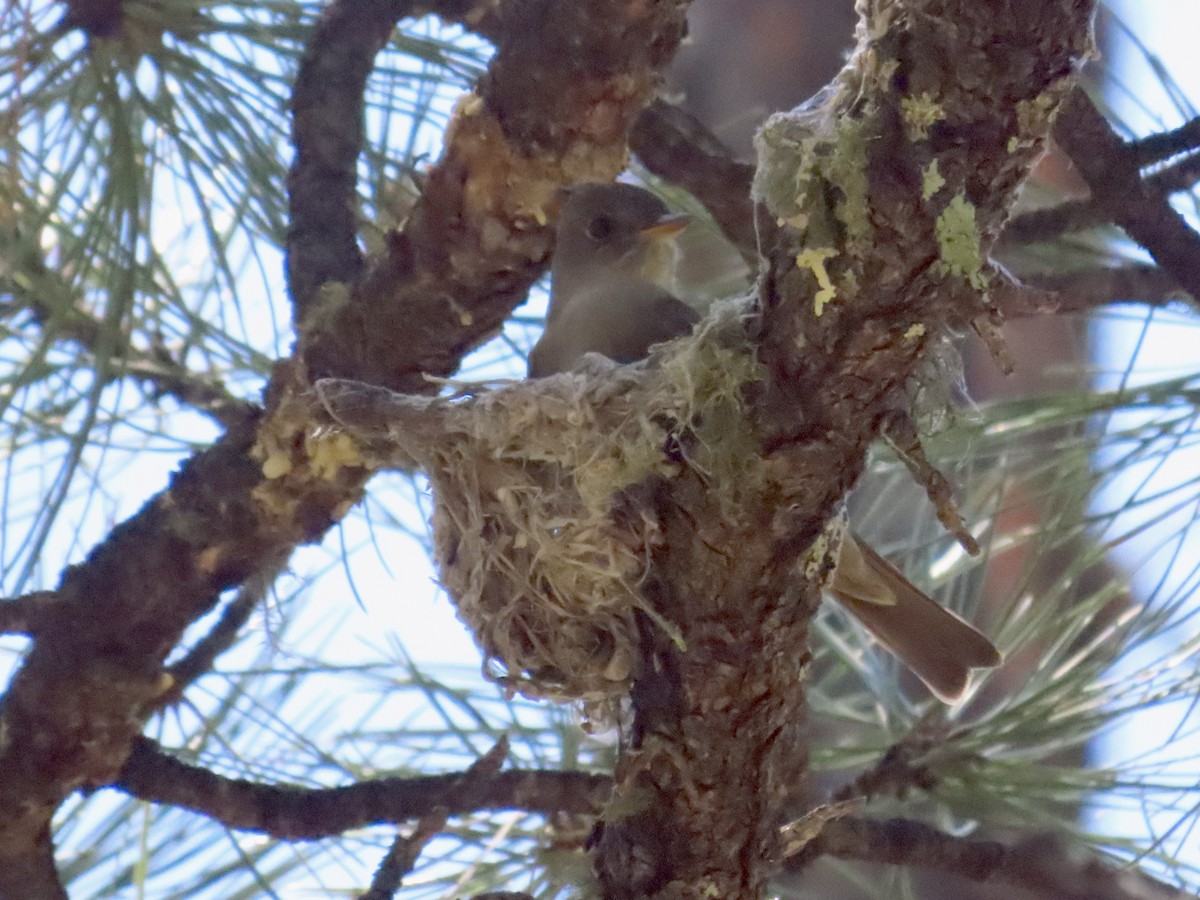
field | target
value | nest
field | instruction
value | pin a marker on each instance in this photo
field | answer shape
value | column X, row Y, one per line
column 525, row 479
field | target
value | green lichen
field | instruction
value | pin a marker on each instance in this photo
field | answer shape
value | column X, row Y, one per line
column 330, row 299
column 958, row 242
column 710, row 377
column 801, row 158
column 784, row 146
column 1034, row 116
column 846, row 168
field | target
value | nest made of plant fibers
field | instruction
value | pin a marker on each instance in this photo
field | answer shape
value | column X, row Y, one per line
column 540, row 569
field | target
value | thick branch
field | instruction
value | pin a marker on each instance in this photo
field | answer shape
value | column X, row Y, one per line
column 553, row 109
column 299, row 813
column 327, row 132
column 1110, row 169
column 1079, row 215
column 874, row 255
column 21, row 615
column 675, row 146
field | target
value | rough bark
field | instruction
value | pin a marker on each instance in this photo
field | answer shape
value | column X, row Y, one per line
column 891, row 190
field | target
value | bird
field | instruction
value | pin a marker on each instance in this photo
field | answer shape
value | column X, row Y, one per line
column 610, row 293
column 614, row 258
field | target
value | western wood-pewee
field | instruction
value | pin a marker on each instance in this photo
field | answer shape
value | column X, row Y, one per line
column 609, row 293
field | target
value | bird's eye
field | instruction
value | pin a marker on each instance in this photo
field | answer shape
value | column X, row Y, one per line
column 600, row 228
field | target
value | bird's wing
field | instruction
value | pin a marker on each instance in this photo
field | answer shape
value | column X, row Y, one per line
column 620, row 321
column 654, row 316
column 938, row 646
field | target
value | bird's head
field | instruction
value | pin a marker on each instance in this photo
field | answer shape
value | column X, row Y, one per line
column 608, row 231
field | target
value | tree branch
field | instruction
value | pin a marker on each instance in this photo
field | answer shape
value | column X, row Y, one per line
column 292, row 812
column 327, row 132
column 1042, row 864
column 402, row 857
column 1080, row 215
column 22, row 615
column 480, row 233
column 895, row 773
column 862, row 272
column 1087, row 290
column 678, row 148
column 1156, row 148
column 201, row 657
column 1110, row 169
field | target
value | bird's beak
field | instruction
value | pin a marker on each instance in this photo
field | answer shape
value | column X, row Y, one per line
column 668, row 226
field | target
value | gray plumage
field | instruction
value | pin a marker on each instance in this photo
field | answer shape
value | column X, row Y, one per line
column 612, row 253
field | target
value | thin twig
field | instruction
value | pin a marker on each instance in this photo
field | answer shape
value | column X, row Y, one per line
column 204, row 653
column 1086, row 290
column 1041, row 864
column 402, row 856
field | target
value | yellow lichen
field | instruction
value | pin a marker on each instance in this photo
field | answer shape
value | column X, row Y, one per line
column 931, row 180
column 469, row 104
column 328, row 453
column 1034, row 117
column 813, row 259
column 276, row 465
column 920, row 114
